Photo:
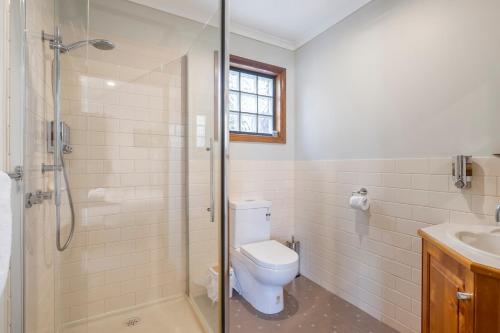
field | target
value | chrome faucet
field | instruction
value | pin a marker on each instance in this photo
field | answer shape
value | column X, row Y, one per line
column 497, row 215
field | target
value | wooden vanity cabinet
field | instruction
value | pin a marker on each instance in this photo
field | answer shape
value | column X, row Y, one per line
column 457, row 295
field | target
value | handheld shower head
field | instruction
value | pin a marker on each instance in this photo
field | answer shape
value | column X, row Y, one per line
column 100, row 44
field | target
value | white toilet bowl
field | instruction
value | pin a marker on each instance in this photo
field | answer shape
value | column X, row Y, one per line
column 262, row 269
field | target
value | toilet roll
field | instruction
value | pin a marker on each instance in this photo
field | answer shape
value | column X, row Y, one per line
column 360, row 202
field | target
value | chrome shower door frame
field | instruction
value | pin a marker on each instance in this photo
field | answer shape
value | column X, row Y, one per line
column 223, row 131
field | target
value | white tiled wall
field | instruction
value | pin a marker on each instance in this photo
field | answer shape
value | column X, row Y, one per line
column 127, row 173
column 269, row 180
column 374, row 259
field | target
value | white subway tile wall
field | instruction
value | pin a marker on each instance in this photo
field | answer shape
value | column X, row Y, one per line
column 268, row 180
column 373, row 259
column 127, row 173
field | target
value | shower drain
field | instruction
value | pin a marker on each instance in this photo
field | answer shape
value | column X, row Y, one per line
column 131, row 322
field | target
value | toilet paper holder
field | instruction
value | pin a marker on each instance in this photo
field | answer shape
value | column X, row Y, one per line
column 361, row 191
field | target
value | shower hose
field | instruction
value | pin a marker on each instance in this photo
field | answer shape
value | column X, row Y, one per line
column 58, row 210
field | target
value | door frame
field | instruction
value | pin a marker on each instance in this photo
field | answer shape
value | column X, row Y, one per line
column 13, row 146
column 224, row 281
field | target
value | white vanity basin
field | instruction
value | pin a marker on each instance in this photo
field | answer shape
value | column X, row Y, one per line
column 478, row 243
column 485, row 241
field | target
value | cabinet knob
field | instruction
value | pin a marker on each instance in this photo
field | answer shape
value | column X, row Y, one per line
column 462, row 296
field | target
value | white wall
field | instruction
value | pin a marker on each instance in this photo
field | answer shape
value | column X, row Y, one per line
column 3, row 127
column 402, row 79
column 255, row 50
column 384, row 99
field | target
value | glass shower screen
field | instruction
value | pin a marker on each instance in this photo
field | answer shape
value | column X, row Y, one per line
column 128, row 233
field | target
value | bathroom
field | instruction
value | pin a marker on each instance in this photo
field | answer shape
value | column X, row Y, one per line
column 249, row 166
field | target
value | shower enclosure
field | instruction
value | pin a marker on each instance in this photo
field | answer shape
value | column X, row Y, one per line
column 121, row 149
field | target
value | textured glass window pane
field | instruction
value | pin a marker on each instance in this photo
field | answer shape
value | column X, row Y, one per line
column 266, row 125
column 266, row 105
column 248, row 83
column 234, row 101
column 234, row 80
column 265, row 86
column 248, row 123
column 234, row 121
column 248, row 103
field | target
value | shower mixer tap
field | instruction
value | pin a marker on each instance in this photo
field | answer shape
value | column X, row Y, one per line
column 36, row 198
column 51, row 143
column 65, row 136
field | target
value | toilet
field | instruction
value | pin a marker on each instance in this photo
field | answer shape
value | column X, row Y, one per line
column 262, row 266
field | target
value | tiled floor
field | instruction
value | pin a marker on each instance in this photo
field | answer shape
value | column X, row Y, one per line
column 308, row 308
column 166, row 317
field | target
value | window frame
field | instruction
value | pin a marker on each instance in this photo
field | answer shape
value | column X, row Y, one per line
column 279, row 75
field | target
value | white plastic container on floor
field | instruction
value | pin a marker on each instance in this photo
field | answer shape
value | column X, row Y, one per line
column 213, row 283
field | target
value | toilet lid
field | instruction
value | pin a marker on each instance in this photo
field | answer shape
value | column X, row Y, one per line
column 270, row 254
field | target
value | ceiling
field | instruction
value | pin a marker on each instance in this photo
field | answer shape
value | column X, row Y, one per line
column 285, row 23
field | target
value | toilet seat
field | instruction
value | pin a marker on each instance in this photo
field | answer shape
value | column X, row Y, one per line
column 270, row 254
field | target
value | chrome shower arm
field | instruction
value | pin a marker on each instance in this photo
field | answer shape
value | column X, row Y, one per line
column 55, row 42
column 75, row 45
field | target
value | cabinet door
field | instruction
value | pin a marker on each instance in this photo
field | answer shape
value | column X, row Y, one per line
column 443, row 278
column 487, row 307
column 443, row 303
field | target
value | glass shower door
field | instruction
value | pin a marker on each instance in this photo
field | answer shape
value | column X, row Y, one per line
column 204, row 174
column 128, row 81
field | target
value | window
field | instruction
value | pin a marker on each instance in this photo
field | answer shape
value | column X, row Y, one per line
column 257, row 111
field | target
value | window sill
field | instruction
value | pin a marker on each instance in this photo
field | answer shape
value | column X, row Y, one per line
column 237, row 137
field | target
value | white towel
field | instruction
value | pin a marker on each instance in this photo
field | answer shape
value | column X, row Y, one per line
column 5, row 228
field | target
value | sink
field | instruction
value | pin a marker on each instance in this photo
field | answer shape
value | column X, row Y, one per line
column 479, row 244
column 487, row 241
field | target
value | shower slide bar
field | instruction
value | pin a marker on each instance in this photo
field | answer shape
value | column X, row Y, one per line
column 58, row 139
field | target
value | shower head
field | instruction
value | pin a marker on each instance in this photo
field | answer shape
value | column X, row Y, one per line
column 100, row 44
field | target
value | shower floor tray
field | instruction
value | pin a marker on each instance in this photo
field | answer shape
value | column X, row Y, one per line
column 172, row 316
